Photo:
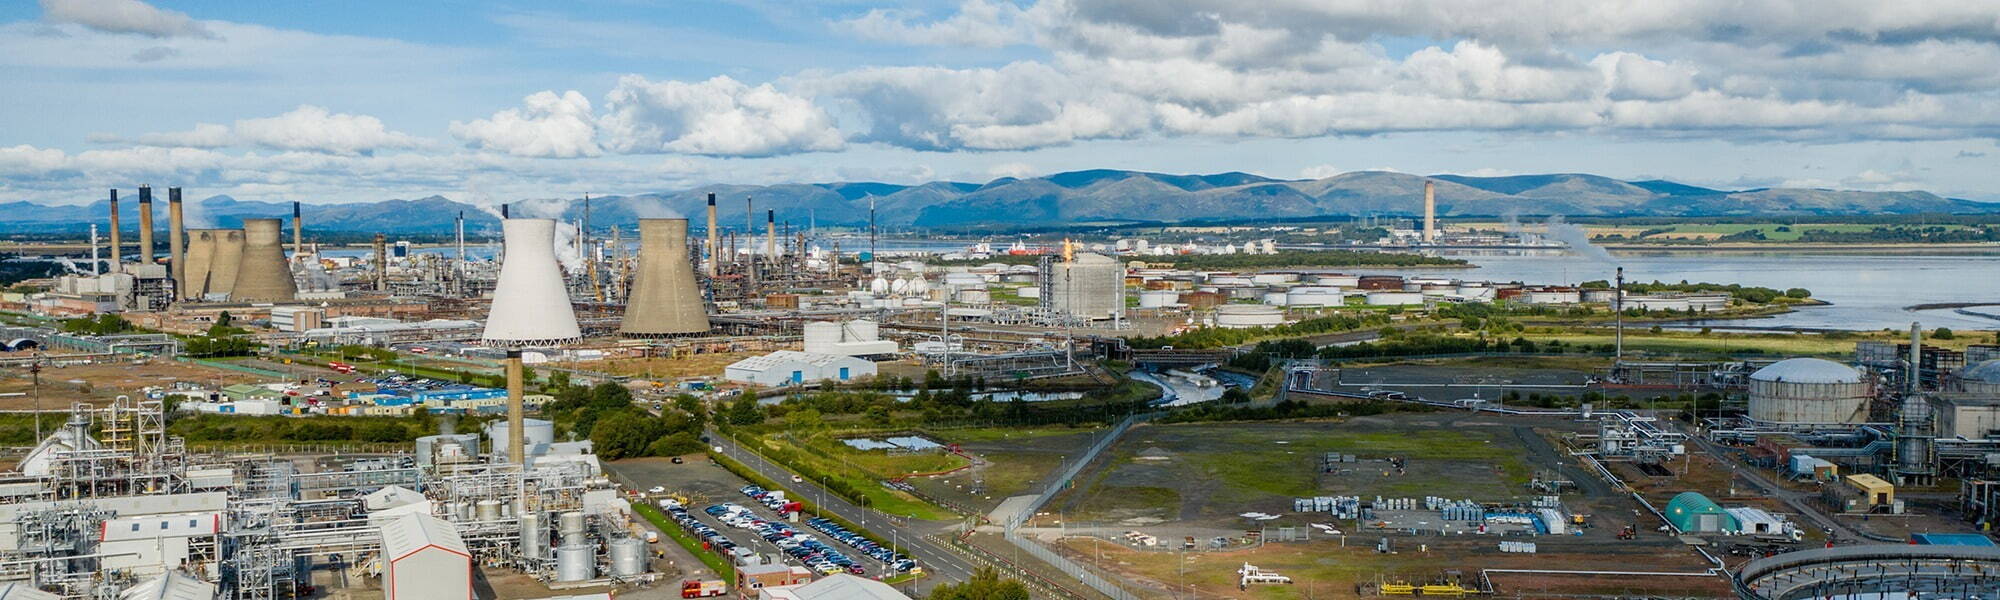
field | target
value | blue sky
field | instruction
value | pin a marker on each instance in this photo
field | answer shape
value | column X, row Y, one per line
column 335, row 101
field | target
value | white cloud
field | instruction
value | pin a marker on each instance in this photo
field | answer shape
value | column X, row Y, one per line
column 547, row 126
column 1320, row 172
column 717, row 117
column 1013, row 169
column 981, row 23
column 124, row 16
column 306, row 128
column 1022, row 105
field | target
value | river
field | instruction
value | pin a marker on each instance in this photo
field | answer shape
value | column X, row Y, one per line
column 1864, row 291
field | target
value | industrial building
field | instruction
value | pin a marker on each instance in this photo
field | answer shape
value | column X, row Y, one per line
column 859, row 337
column 423, row 558
column 788, row 367
column 1090, row 286
column 1695, row 513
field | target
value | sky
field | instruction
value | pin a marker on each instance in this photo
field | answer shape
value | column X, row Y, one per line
column 362, row 100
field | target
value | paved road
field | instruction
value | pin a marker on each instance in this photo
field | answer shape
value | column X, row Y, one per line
column 907, row 534
column 1794, row 499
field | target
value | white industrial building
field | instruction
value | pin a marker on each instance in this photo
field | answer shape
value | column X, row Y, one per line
column 424, row 559
column 17, row 590
column 153, row 544
column 169, row 586
column 787, row 367
column 859, row 337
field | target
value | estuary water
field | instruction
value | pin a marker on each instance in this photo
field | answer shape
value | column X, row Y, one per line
column 1866, row 290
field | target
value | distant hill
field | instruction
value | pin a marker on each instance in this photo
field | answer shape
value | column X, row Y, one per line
column 1097, row 195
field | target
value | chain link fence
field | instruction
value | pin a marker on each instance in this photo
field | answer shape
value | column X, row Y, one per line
column 1056, row 486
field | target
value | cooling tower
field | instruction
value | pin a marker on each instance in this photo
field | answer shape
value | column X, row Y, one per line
column 665, row 298
column 200, row 261
column 227, row 264
column 264, row 276
column 146, row 225
column 117, row 244
column 176, row 243
column 530, row 304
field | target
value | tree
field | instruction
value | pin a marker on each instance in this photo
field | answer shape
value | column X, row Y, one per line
column 985, row 584
column 224, row 319
column 625, row 434
column 745, row 411
column 610, row 395
column 1942, row 333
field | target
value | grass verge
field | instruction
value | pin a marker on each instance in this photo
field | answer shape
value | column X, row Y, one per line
column 680, row 536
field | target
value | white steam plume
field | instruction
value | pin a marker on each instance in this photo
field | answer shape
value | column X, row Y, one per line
column 1578, row 240
column 652, row 208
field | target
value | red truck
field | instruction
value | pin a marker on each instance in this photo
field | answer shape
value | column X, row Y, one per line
column 697, row 588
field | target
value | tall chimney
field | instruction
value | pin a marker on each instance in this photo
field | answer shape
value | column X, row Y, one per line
column 117, row 244
column 503, row 212
column 459, row 268
column 298, row 233
column 146, row 225
column 530, row 308
column 590, row 254
column 714, row 238
column 176, row 243
column 665, row 299
column 749, row 224
column 771, row 235
column 1916, row 358
column 1430, row 211
column 381, row 263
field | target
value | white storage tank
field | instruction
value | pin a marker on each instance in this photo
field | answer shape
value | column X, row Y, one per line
column 571, row 524
column 1028, row 291
column 1395, row 298
column 575, row 562
column 1158, row 298
column 534, row 538
column 1271, row 278
column 1241, row 316
column 1229, row 279
column 1274, row 298
column 488, row 510
column 539, row 432
column 977, row 295
column 1809, row 390
column 821, row 336
column 628, row 557
column 1314, row 297
column 1337, row 280
column 1090, row 286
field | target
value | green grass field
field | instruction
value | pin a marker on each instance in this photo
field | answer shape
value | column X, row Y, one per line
column 652, row 514
column 865, row 471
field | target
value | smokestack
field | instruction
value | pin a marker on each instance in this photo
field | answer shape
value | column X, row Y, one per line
column 201, row 249
column 458, row 269
column 117, row 244
column 590, row 254
column 176, row 243
column 530, row 308
column 382, row 263
column 1618, row 307
column 1916, row 358
column 771, row 235
column 264, row 276
column 503, row 214
column 298, row 233
column 714, row 238
column 1430, row 212
column 665, row 299
column 146, row 225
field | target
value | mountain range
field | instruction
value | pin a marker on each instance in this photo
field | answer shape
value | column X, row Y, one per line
column 1092, row 196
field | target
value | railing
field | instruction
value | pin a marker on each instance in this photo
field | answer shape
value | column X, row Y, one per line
column 1056, row 486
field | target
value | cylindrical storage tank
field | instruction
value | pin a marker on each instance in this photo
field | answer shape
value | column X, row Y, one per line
column 1028, row 291
column 1090, row 286
column 1019, row 278
column 1314, row 297
column 1599, row 295
column 1395, row 298
column 1809, row 390
column 571, row 524
column 863, row 330
column 821, row 336
column 1229, row 279
column 534, row 538
column 487, row 510
column 575, row 562
column 1336, row 280
column 963, row 279
column 1274, row 298
column 1158, row 298
column 628, row 557
column 1379, row 282
column 1247, row 293
column 1239, row 316
column 1981, row 378
column 1270, row 278
column 975, row 296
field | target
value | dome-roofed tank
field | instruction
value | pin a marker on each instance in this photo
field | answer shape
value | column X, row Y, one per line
column 1808, row 390
column 1980, row 378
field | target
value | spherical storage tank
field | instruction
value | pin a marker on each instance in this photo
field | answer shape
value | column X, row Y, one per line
column 628, row 557
column 1239, row 316
column 1808, row 390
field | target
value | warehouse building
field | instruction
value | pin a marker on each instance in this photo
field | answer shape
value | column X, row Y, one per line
column 789, row 367
column 840, row 586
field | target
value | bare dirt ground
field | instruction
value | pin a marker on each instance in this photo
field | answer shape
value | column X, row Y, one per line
column 1007, row 466
column 100, row 383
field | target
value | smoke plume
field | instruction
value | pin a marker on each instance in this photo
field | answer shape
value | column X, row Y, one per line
column 652, row 208
column 1578, row 240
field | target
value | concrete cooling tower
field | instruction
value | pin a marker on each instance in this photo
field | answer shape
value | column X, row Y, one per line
column 264, row 275
column 530, row 305
column 227, row 264
column 200, row 257
column 665, row 299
